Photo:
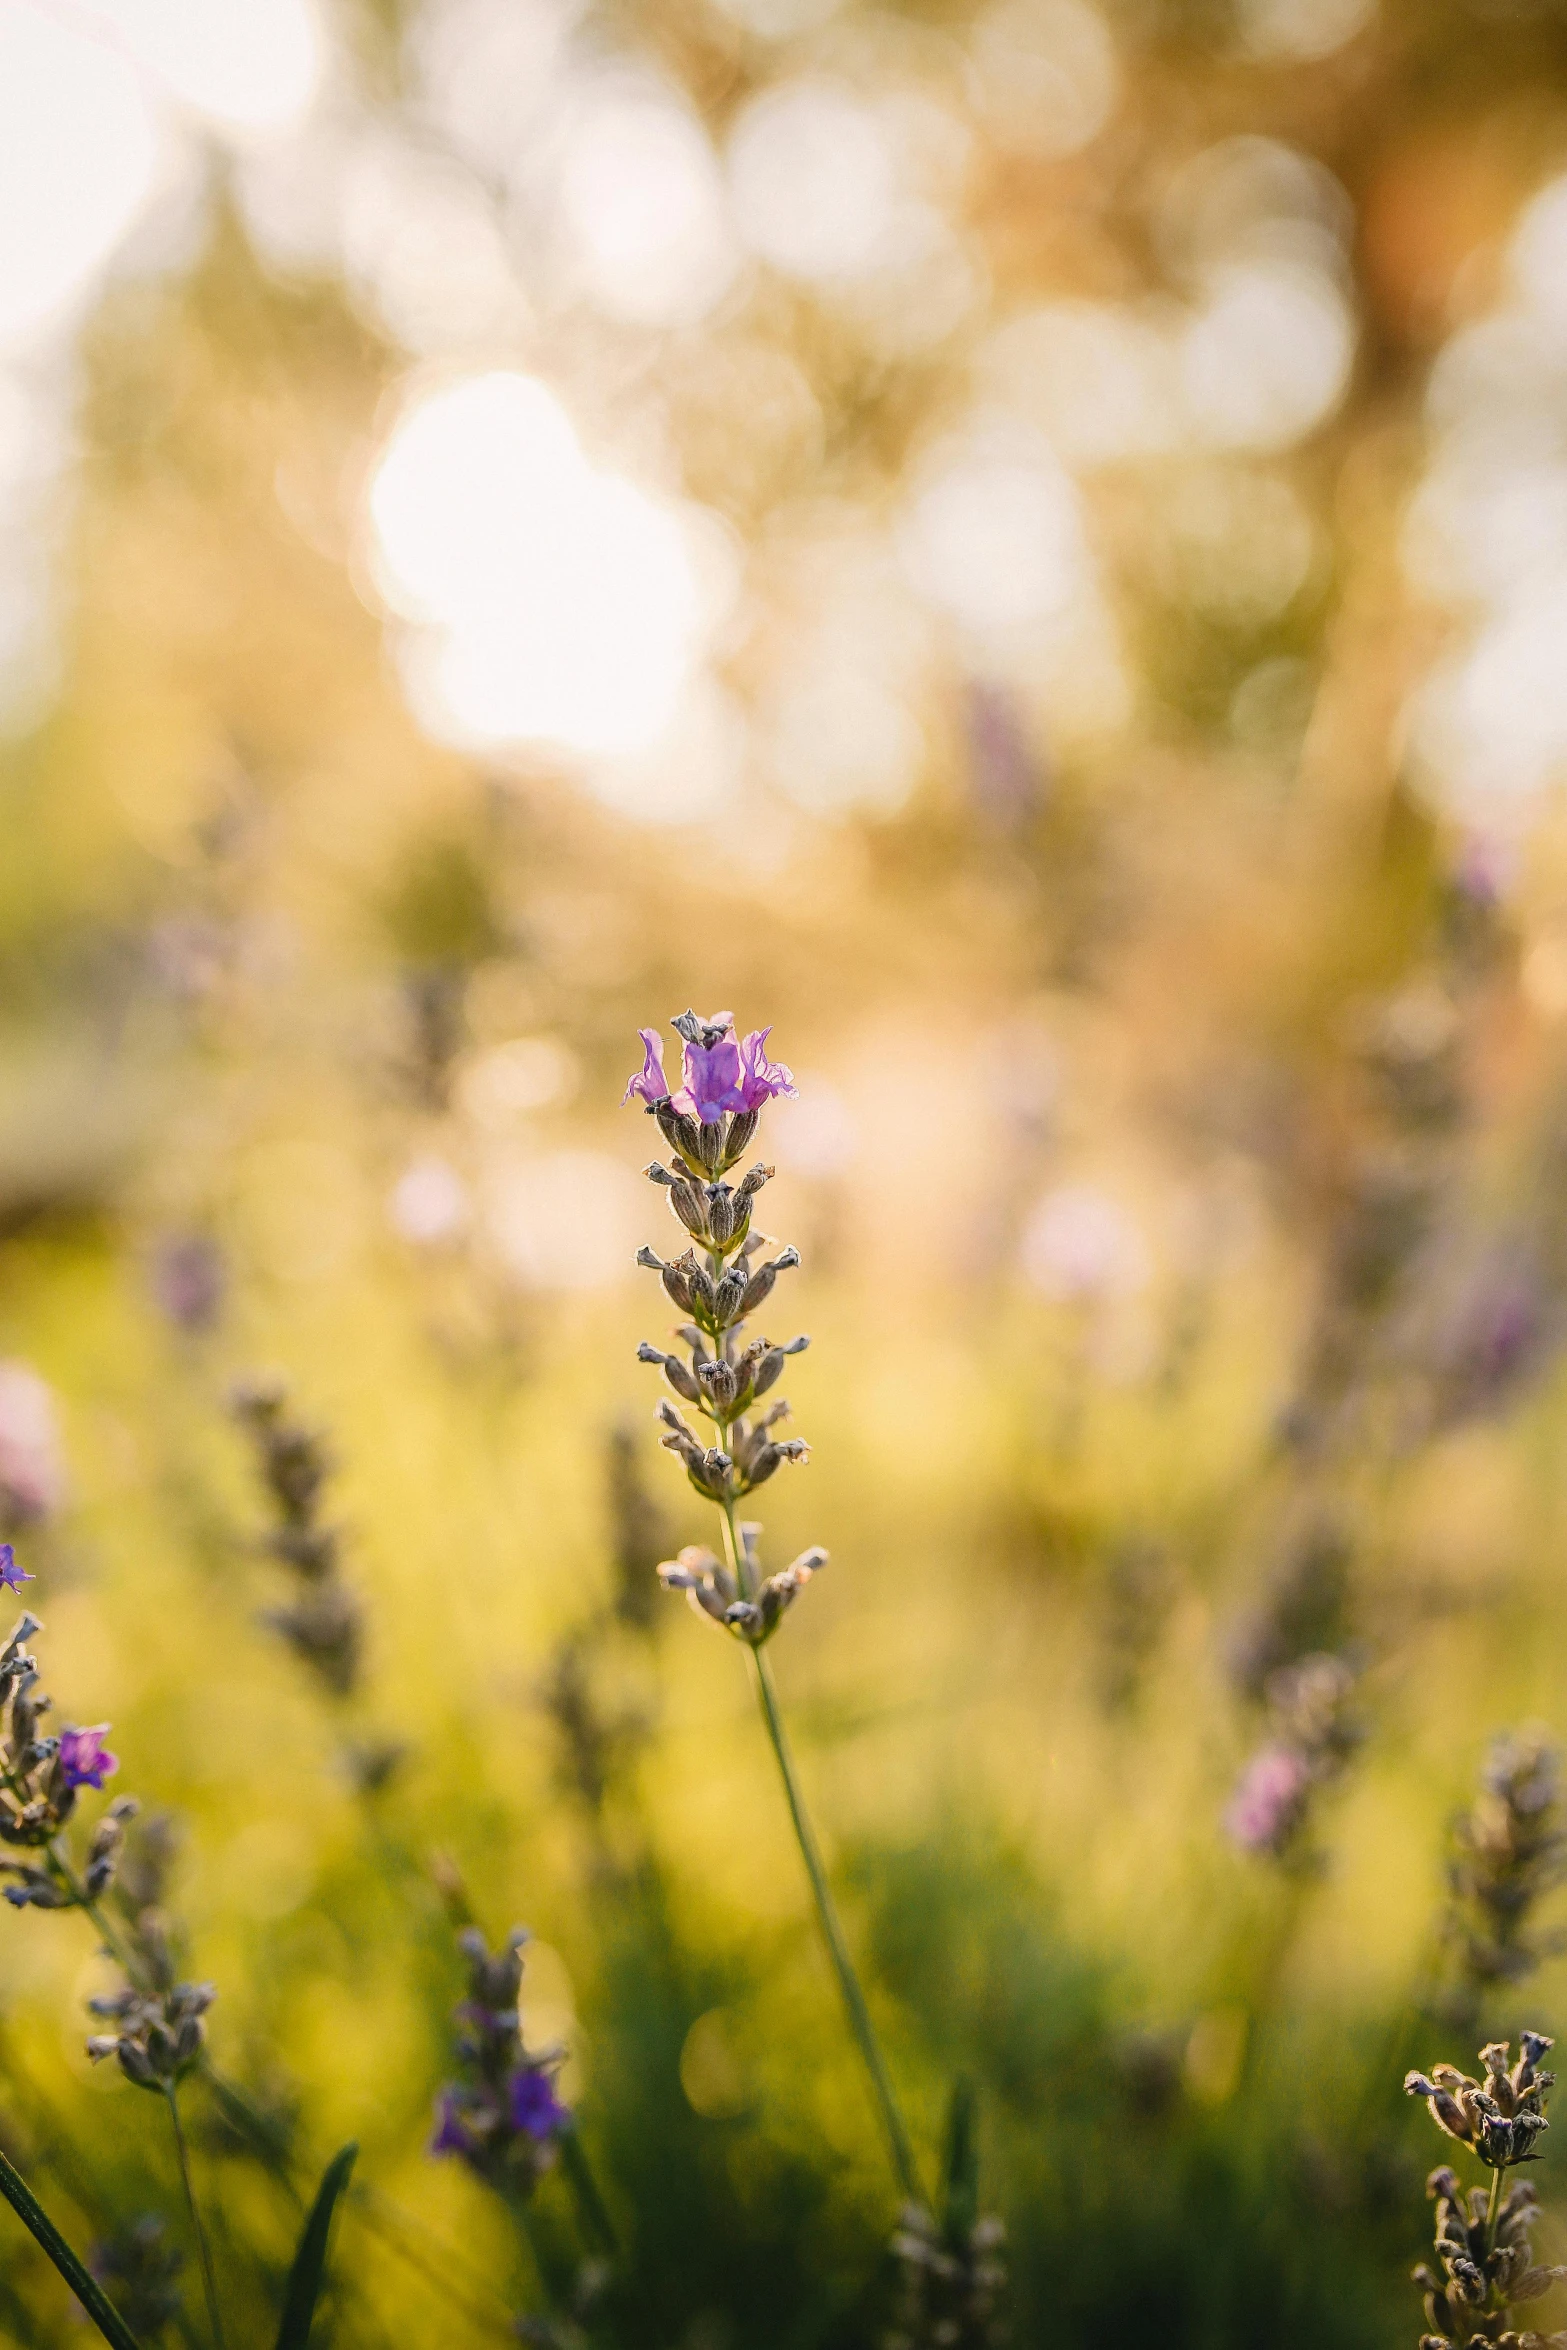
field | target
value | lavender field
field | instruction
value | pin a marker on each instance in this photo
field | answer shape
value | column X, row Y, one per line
column 783, row 1173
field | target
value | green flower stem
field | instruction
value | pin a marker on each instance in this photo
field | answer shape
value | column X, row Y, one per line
column 83, row 2284
column 574, row 2162
column 1493, row 2208
column 864, row 2031
column 209, row 2282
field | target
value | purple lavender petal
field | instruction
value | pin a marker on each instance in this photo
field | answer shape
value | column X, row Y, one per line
column 713, row 1080
column 535, row 2108
column 762, row 1080
column 649, row 1084
column 450, row 2135
column 84, row 1760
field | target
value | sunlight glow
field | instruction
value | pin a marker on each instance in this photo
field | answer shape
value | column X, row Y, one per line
column 643, row 209
column 77, row 155
column 560, row 604
column 814, row 172
column 1487, row 530
column 244, row 67
column 995, row 535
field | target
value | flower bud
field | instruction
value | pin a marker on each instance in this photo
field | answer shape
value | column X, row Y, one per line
column 689, row 1206
column 738, row 1140
column 720, row 1387
column 710, row 1146
column 675, row 1372
column 135, row 2064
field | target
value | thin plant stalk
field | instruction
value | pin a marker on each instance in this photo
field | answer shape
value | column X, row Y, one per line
column 585, row 2187
column 1492, row 2209
column 82, row 2282
column 709, row 1126
column 209, row 2282
column 899, row 2144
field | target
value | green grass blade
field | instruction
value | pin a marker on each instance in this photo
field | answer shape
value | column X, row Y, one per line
column 304, row 2278
column 88, row 2291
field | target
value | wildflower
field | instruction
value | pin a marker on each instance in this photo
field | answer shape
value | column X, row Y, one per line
column 503, row 2117
column 11, row 1575
column 1266, row 1808
column 324, row 1624
column 160, row 2034
column 1484, row 2261
column 720, row 1075
column 1313, row 1738
column 452, row 2136
column 84, row 1759
column 534, row 2106
column 1508, row 1850
column 42, row 1778
column 722, row 1374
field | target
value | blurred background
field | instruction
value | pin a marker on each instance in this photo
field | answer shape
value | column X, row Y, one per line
column 1024, row 544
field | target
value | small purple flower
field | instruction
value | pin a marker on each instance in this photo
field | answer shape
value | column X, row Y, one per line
column 649, row 1084
column 535, row 2108
column 451, row 2136
column 712, row 1083
column 84, row 1759
column 762, row 1080
column 1266, row 1807
column 11, row 1575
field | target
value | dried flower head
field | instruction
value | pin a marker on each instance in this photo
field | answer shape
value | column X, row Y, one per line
column 1484, row 2265
column 1508, row 1850
column 159, row 2034
column 324, row 1624
column 716, row 1283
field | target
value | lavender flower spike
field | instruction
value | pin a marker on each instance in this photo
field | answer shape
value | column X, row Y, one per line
column 762, row 1080
column 649, row 1084
column 11, row 1575
column 535, row 2108
column 84, row 1760
column 1267, row 1805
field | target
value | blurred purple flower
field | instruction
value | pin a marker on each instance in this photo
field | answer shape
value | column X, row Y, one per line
column 1267, row 1805
column 84, row 1760
column 535, row 2108
column 32, row 1475
column 762, row 1080
column 11, row 1575
column 189, row 1278
column 649, row 1084
column 451, row 2135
